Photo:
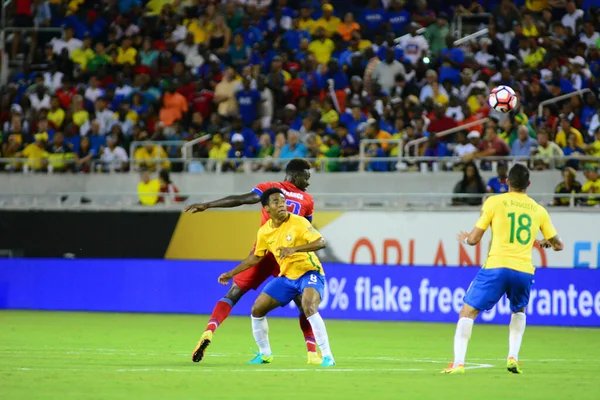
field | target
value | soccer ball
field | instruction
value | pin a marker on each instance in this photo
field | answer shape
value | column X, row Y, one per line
column 502, row 99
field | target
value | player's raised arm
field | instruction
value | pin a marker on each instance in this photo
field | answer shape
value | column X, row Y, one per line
column 249, row 262
column 235, row 200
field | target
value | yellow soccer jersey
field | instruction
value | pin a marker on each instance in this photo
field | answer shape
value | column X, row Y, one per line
column 295, row 231
column 515, row 219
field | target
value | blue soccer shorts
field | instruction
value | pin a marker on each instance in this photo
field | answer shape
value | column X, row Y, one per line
column 490, row 284
column 285, row 290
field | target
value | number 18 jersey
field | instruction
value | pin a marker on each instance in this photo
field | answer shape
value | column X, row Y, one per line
column 515, row 219
column 298, row 202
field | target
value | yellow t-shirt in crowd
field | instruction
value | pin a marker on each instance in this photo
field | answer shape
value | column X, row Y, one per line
column 148, row 192
column 35, row 156
column 592, row 187
column 536, row 5
column 329, row 117
column 295, row 231
column 149, row 159
column 561, row 138
column 330, row 26
column 82, row 57
column 80, row 117
column 515, row 219
column 126, row 56
column 219, row 152
column 56, row 117
column 307, row 25
column 322, row 50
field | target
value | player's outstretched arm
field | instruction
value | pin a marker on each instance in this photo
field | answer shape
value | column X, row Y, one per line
column 471, row 238
column 312, row 246
column 235, row 200
column 555, row 242
column 250, row 261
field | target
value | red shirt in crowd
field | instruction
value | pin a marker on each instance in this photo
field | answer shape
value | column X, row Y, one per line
column 66, row 96
column 497, row 144
column 202, row 102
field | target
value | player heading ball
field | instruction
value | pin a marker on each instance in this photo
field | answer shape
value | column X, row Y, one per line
column 293, row 240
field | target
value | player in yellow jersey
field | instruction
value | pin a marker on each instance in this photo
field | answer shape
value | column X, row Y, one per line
column 515, row 219
column 293, row 240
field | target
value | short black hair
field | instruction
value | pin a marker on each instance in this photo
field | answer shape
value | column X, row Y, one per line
column 264, row 198
column 518, row 177
column 297, row 165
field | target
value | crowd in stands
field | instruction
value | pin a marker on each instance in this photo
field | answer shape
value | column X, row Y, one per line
column 277, row 79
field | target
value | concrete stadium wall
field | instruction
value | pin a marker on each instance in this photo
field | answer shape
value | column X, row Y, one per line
column 542, row 182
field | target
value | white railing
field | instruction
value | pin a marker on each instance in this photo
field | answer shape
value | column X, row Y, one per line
column 420, row 31
column 186, row 150
column 468, row 38
column 417, row 142
column 323, row 201
column 19, row 164
column 560, row 98
column 362, row 159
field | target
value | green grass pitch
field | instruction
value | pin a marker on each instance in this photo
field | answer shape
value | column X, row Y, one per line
column 49, row 355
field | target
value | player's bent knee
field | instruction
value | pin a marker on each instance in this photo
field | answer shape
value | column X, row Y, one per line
column 310, row 308
column 258, row 311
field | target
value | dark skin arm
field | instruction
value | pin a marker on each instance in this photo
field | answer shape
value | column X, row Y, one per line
column 235, row 200
column 312, row 246
column 248, row 263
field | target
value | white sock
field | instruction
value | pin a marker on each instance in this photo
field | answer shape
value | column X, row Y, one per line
column 516, row 329
column 260, row 330
column 461, row 340
column 318, row 326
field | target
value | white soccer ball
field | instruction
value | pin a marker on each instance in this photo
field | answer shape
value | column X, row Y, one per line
column 502, row 99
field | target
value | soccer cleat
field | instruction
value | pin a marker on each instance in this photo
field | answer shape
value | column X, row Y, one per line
column 205, row 340
column 512, row 365
column 261, row 359
column 451, row 369
column 313, row 358
column 328, row 361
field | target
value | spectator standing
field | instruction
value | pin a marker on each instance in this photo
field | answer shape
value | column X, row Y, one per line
column 225, row 95
column 248, row 100
column 385, row 73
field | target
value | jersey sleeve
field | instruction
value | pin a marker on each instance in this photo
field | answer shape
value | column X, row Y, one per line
column 261, row 187
column 260, row 248
column 487, row 213
column 310, row 206
column 311, row 234
column 548, row 230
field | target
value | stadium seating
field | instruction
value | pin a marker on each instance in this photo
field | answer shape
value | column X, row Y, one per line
column 218, row 85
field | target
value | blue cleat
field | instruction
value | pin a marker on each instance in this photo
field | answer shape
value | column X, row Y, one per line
column 261, row 359
column 328, row 361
